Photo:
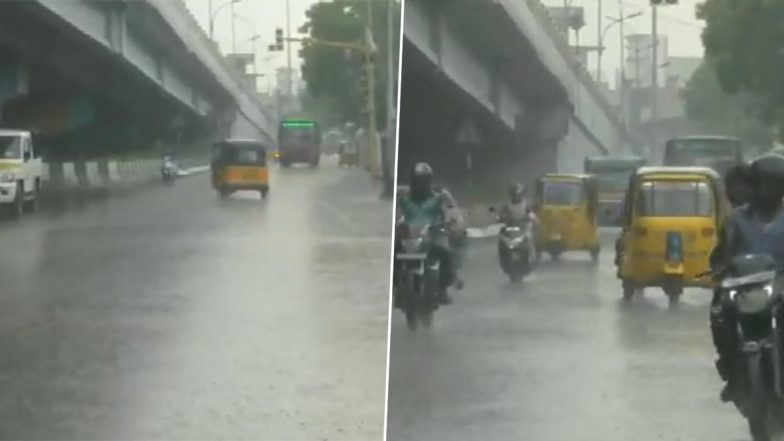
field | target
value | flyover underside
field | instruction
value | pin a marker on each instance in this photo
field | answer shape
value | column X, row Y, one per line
column 434, row 112
column 78, row 97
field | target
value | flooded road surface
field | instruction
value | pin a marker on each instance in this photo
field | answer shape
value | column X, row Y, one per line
column 169, row 314
column 558, row 358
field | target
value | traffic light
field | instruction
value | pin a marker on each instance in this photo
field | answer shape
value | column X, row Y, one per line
column 279, row 39
column 664, row 2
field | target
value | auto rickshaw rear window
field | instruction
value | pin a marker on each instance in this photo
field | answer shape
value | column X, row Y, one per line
column 563, row 193
column 674, row 199
column 240, row 155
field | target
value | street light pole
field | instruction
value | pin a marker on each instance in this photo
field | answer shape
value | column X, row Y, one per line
column 209, row 17
column 233, row 33
column 390, row 138
column 213, row 14
column 614, row 21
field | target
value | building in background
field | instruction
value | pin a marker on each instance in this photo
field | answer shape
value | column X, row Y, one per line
column 639, row 60
column 680, row 69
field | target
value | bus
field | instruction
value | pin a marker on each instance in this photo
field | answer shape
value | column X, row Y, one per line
column 299, row 141
column 612, row 179
column 716, row 152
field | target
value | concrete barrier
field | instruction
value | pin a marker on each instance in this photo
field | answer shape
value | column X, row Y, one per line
column 65, row 177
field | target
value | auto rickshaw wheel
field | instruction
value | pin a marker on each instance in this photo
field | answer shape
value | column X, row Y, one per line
column 674, row 296
column 264, row 191
column 628, row 290
column 555, row 255
column 224, row 193
column 595, row 254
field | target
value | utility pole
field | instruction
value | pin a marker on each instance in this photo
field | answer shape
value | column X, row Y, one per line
column 233, row 33
column 655, row 63
column 622, row 86
column 289, row 73
column 371, row 104
column 599, row 41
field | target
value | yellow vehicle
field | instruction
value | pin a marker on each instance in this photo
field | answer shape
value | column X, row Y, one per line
column 565, row 206
column 240, row 165
column 669, row 228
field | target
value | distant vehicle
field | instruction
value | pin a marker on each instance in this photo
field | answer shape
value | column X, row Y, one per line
column 239, row 164
column 299, row 141
column 612, row 176
column 716, row 152
column 169, row 170
column 20, row 172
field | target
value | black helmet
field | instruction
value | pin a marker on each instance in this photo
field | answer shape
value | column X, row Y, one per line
column 516, row 192
column 767, row 178
column 737, row 184
column 421, row 180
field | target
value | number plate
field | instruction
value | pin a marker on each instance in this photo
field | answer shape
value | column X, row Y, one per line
column 410, row 256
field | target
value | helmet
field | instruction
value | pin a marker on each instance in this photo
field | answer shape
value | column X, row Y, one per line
column 737, row 184
column 516, row 192
column 767, row 179
column 421, row 180
column 422, row 169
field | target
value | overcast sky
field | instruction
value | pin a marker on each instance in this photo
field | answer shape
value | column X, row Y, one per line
column 261, row 17
column 677, row 22
column 253, row 17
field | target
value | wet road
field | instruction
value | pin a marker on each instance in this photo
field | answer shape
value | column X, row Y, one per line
column 169, row 314
column 558, row 358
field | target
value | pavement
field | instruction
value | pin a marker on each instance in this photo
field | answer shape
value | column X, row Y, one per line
column 169, row 314
column 558, row 357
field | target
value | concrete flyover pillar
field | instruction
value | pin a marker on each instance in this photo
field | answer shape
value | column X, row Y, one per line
column 14, row 82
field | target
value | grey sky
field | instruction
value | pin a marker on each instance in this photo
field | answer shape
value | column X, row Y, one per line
column 678, row 22
column 254, row 17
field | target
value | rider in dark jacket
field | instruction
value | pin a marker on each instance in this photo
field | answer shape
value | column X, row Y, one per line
column 755, row 226
column 425, row 202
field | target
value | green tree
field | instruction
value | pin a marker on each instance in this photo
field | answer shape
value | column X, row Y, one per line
column 744, row 42
column 730, row 114
column 333, row 75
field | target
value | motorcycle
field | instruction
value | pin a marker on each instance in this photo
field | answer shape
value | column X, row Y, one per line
column 417, row 272
column 516, row 248
column 169, row 171
column 747, row 293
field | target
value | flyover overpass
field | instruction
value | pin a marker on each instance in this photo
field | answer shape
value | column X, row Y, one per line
column 87, row 74
column 492, row 93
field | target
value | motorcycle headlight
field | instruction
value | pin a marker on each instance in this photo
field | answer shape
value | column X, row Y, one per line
column 7, row 177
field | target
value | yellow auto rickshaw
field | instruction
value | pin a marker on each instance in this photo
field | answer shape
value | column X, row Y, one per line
column 240, row 165
column 565, row 207
column 669, row 228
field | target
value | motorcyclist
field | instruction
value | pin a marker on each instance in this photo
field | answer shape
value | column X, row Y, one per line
column 754, row 227
column 423, row 200
column 516, row 211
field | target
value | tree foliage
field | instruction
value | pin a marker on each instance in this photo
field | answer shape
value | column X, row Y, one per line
column 333, row 75
column 718, row 111
column 744, row 42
